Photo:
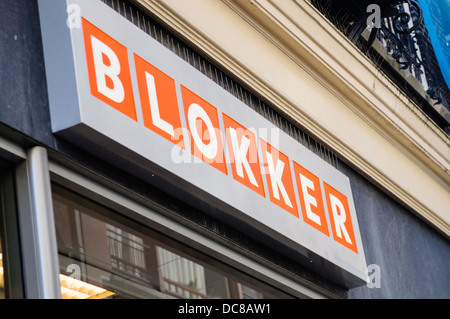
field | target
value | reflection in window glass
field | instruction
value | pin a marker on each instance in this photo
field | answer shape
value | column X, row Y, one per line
column 185, row 278
column 126, row 251
column 103, row 255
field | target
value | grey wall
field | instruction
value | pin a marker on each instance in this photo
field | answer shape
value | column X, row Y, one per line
column 22, row 79
column 414, row 259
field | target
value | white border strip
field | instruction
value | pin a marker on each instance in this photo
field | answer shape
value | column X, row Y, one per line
column 9, row 149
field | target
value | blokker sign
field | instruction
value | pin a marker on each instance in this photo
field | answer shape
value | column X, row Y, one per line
column 121, row 95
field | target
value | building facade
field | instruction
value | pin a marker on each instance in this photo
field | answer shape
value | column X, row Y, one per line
column 214, row 149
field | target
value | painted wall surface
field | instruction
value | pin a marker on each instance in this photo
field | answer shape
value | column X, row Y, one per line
column 413, row 259
column 409, row 258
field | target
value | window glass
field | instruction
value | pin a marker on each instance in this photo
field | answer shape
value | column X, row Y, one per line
column 183, row 277
column 7, row 209
column 102, row 254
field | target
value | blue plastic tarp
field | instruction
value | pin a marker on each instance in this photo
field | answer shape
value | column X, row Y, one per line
column 436, row 14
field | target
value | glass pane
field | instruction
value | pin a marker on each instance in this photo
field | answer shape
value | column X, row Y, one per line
column 249, row 293
column 120, row 258
column 184, row 278
column 10, row 266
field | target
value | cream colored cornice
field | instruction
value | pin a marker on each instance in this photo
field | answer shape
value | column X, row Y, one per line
column 291, row 55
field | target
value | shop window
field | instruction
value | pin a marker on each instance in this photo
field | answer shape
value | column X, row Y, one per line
column 11, row 281
column 103, row 254
column 126, row 251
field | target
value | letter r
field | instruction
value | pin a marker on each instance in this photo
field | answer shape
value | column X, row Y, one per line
column 340, row 218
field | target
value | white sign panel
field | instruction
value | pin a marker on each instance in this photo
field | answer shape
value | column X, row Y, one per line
column 121, row 95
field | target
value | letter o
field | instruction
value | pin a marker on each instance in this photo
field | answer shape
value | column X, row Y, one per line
column 197, row 112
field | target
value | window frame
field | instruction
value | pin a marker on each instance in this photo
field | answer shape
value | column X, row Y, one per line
column 104, row 191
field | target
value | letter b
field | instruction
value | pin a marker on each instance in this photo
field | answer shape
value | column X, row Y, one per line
column 104, row 72
column 108, row 69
